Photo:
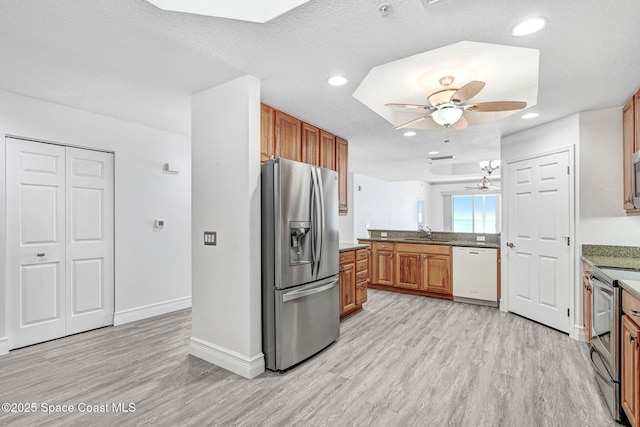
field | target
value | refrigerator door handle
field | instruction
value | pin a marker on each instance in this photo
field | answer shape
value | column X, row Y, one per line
column 321, row 225
column 293, row 295
column 314, row 237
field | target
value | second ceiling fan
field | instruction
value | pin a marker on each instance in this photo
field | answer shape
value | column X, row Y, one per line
column 448, row 105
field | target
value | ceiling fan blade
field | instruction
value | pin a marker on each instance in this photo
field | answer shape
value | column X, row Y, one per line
column 460, row 124
column 468, row 91
column 409, row 123
column 408, row 106
column 485, row 107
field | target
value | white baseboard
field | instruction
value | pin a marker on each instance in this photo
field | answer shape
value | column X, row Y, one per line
column 248, row 367
column 579, row 334
column 139, row 313
column 4, row 346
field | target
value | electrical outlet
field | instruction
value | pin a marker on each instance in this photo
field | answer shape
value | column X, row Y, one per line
column 383, row 234
column 480, row 238
column 210, row 238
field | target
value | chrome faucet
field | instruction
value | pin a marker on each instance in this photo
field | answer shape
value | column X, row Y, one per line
column 423, row 229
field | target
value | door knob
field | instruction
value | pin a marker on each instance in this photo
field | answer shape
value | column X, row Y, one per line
column 511, row 245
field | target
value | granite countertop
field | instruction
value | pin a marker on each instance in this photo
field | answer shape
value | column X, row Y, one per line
column 351, row 246
column 466, row 243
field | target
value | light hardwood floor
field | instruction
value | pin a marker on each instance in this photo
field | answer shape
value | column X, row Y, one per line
column 403, row 361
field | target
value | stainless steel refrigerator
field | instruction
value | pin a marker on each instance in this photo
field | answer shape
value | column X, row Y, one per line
column 300, row 290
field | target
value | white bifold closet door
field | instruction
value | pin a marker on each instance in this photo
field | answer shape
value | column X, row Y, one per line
column 60, row 272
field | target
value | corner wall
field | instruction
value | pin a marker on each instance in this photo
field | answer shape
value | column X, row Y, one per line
column 226, row 322
column 152, row 268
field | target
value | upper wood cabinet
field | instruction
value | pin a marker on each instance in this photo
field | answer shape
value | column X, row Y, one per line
column 282, row 135
column 342, row 163
column 630, row 144
column 327, row 150
column 310, row 144
column 288, row 136
column 267, row 132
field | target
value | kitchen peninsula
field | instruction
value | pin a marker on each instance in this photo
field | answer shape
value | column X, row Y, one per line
column 420, row 263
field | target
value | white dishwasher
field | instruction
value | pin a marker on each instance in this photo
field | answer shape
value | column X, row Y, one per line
column 475, row 275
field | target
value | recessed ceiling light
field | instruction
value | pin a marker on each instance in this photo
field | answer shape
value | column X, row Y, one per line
column 410, row 133
column 530, row 116
column 529, row 26
column 337, row 81
column 433, row 152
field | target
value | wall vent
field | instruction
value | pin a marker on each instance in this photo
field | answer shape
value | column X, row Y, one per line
column 442, row 158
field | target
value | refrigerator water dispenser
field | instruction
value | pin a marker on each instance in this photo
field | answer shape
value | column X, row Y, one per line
column 300, row 242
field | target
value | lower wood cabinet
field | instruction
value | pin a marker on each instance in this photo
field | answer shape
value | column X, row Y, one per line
column 630, row 358
column 354, row 280
column 418, row 268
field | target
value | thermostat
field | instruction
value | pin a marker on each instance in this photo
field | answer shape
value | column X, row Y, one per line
column 158, row 223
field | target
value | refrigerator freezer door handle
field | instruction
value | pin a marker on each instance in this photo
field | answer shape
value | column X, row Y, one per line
column 300, row 294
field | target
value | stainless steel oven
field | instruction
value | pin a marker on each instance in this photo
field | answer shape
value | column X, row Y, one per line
column 605, row 343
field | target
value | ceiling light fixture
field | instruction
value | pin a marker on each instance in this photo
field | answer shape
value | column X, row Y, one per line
column 447, row 115
column 433, row 152
column 337, row 81
column 529, row 26
column 410, row 133
column 529, row 116
column 489, row 165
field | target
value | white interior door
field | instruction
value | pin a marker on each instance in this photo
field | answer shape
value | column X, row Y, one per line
column 60, row 269
column 89, row 239
column 538, row 229
column 35, row 242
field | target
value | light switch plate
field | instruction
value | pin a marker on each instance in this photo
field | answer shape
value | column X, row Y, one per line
column 210, row 238
column 480, row 238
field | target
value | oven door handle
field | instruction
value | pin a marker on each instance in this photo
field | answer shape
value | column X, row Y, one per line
column 607, row 289
column 605, row 376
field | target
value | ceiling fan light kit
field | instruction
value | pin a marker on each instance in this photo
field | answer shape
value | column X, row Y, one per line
column 446, row 116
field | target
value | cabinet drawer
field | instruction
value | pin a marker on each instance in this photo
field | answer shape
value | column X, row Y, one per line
column 362, row 265
column 383, row 246
column 347, row 257
column 362, row 254
column 362, row 276
column 631, row 305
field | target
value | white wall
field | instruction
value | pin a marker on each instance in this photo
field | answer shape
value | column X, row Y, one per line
column 152, row 268
column 384, row 205
column 601, row 216
column 226, row 323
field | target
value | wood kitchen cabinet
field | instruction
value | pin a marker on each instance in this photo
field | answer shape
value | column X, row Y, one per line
column 630, row 144
column 420, row 269
column 354, row 274
column 310, row 144
column 282, row 135
column 587, row 297
column 267, row 132
column 327, row 150
column 288, row 143
column 630, row 357
column 383, row 263
column 342, row 164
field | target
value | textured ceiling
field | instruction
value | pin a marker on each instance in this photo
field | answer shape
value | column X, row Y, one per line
column 131, row 60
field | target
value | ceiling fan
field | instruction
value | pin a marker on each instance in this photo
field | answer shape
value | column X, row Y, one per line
column 448, row 105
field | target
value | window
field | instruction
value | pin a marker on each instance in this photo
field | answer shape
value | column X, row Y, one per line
column 476, row 213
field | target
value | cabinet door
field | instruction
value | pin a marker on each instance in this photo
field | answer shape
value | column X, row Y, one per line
column 629, row 398
column 267, row 132
column 383, row 264
column 437, row 274
column 586, row 306
column 408, row 270
column 629, row 132
column 347, row 288
column 288, row 136
column 327, row 150
column 342, row 163
column 310, row 144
